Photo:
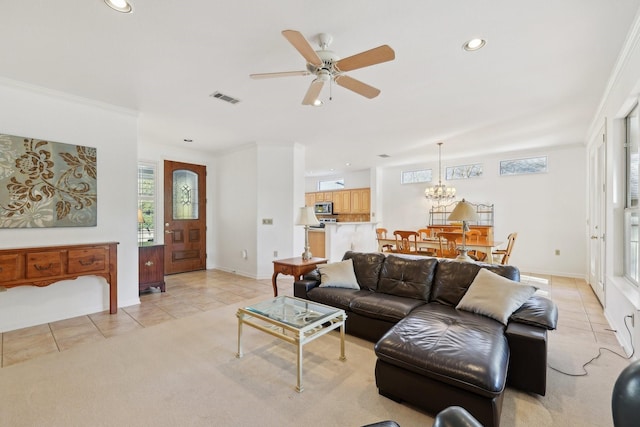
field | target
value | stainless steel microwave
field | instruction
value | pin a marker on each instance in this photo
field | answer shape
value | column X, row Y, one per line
column 323, row 208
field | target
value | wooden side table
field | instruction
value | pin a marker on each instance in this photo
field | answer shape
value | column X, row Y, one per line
column 151, row 267
column 296, row 267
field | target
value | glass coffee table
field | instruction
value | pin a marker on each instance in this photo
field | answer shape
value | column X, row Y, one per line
column 294, row 320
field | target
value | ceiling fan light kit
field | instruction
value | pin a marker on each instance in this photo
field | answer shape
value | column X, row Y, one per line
column 329, row 67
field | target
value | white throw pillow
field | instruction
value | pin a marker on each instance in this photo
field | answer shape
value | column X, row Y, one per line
column 494, row 296
column 338, row 275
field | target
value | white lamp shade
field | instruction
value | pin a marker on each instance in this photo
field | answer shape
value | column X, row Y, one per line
column 307, row 216
column 464, row 211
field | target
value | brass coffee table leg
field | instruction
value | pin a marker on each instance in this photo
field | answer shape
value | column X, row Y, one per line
column 299, row 387
column 342, row 356
column 239, row 353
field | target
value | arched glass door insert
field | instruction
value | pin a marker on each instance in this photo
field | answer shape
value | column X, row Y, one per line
column 185, row 194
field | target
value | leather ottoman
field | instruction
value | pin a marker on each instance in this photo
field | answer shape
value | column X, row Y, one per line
column 438, row 356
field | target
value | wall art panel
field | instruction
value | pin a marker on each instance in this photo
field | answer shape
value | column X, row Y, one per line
column 47, row 184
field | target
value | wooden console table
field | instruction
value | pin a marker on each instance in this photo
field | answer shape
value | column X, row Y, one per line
column 42, row 266
column 296, row 267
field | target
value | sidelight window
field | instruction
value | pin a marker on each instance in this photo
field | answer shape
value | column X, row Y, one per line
column 147, row 202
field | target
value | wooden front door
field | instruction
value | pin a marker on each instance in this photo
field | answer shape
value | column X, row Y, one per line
column 184, row 217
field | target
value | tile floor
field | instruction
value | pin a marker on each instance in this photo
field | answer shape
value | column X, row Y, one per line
column 580, row 313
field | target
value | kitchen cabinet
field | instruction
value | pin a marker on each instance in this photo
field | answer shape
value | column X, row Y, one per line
column 316, row 243
column 309, row 199
column 324, row 196
column 356, row 201
column 151, row 267
column 342, row 202
column 360, row 201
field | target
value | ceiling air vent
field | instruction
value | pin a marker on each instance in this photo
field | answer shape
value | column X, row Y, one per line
column 223, row 97
column 384, row 156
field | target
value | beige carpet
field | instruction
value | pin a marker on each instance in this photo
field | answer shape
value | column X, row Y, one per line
column 185, row 373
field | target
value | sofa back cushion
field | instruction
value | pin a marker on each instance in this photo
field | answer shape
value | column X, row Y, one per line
column 407, row 277
column 367, row 268
column 453, row 278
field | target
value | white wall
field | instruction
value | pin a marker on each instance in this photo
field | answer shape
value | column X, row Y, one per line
column 278, row 200
column 237, row 208
column 546, row 210
column 357, row 179
column 256, row 182
column 623, row 91
column 35, row 112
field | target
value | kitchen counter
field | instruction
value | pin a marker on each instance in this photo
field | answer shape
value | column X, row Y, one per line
column 338, row 224
column 341, row 237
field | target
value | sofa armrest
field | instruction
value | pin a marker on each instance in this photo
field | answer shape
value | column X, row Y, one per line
column 301, row 287
column 528, row 358
column 313, row 275
column 537, row 311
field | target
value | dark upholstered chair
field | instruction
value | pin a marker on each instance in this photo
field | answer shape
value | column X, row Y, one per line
column 453, row 416
column 625, row 400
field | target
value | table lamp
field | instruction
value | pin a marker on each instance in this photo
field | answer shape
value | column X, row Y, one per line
column 307, row 217
column 464, row 211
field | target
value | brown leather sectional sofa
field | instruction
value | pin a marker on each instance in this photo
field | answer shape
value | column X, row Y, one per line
column 431, row 354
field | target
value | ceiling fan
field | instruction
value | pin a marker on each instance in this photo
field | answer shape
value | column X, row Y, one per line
column 328, row 67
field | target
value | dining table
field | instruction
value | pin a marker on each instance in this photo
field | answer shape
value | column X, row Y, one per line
column 481, row 244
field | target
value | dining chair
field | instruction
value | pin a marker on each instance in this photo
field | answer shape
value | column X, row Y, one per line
column 506, row 253
column 424, row 234
column 406, row 241
column 473, row 235
column 449, row 244
column 381, row 233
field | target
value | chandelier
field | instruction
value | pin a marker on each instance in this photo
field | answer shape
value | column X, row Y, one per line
column 439, row 192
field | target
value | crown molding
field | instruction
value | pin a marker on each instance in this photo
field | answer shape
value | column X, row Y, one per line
column 56, row 94
column 629, row 46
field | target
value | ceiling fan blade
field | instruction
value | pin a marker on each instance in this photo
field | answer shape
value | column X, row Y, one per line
column 312, row 93
column 302, row 45
column 364, row 59
column 281, row 74
column 357, row 86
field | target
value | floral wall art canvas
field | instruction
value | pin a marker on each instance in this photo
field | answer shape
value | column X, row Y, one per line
column 46, row 184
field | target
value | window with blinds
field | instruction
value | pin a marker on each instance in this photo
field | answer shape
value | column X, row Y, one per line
column 147, row 202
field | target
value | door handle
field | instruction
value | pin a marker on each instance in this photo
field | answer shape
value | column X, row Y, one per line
column 594, row 237
column 168, row 231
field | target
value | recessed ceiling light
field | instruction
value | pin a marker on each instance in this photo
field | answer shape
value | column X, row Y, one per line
column 347, row 164
column 474, row 44
column 119, row 5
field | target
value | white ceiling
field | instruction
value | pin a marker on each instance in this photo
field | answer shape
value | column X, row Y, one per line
column 537, row 83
